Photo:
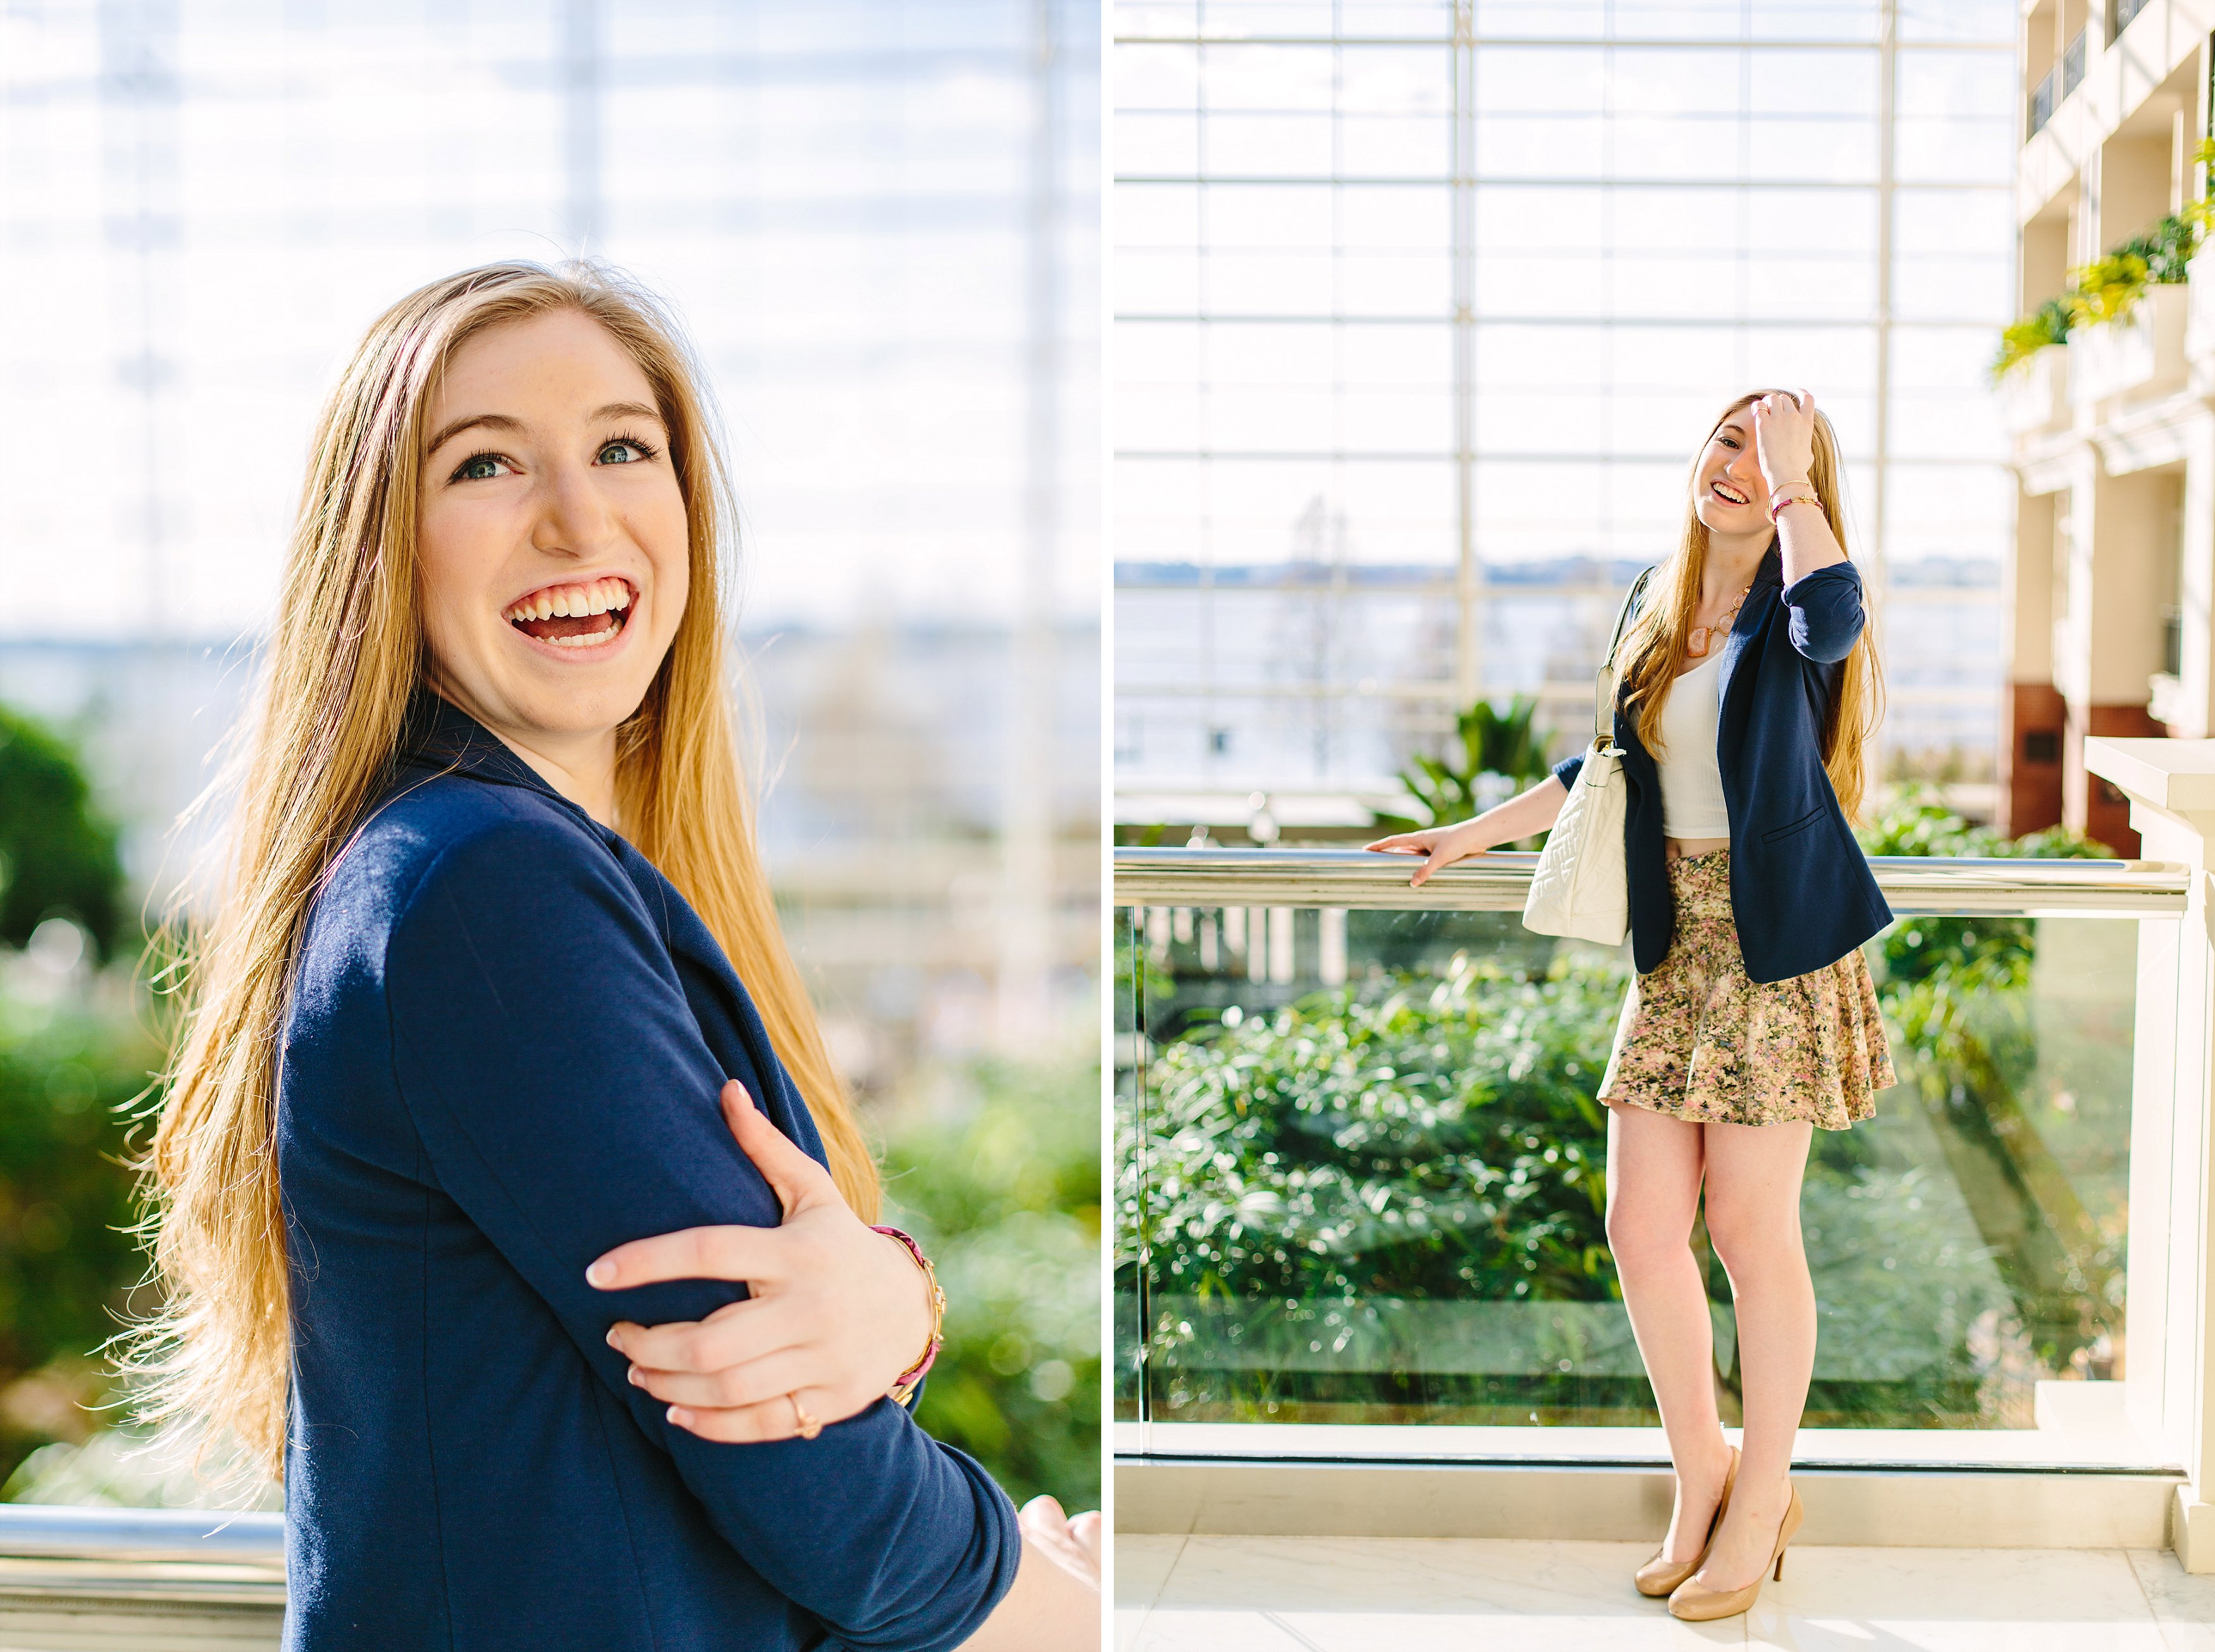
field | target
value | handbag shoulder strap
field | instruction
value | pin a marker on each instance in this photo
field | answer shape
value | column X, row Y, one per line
column 1604, row 678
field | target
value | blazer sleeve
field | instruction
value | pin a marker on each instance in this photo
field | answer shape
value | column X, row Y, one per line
column 1824, row 612
column 566, row 1101
column 1568, row 768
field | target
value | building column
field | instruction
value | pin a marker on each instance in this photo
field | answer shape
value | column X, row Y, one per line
column 2195, row 594
column 2032, row 716
column 2169, row 1366
column 2107, row 632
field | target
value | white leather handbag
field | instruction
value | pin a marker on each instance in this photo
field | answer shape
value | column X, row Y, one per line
column 1581, row 888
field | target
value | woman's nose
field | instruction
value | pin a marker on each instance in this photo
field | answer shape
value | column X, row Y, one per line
column 573, row 517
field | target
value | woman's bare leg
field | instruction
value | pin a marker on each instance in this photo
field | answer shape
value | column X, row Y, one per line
column 1753, row 1221
column 1654, row 1165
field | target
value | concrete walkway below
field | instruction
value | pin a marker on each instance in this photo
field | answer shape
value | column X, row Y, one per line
column 1356, row 1595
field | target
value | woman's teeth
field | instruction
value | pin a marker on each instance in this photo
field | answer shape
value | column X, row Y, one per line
column 580, row 615
column 585, row 639
column 596, row 597
column 1728, row 495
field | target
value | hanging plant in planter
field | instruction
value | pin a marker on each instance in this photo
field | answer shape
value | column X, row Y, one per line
column 2020, row 340
column 2108, row 289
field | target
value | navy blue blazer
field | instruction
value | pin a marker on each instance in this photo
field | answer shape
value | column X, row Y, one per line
column 505, row 1045
column 1801, row 890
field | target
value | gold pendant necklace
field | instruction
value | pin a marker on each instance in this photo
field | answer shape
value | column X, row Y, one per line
column 1695, row 644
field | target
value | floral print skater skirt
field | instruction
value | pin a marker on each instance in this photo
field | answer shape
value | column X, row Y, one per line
column 1702, row 1042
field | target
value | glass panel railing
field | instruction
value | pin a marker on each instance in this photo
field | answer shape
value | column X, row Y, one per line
column 1134, row 1176
column 2042, row 100
column 1361, row 1173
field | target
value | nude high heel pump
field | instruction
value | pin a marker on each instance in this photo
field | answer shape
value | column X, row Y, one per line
column 1661, row 1576
column 1696, row 1604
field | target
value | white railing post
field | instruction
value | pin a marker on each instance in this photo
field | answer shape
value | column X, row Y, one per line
column 2169, row 1357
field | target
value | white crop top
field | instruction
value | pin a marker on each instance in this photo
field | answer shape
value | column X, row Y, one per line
column 1691, row 783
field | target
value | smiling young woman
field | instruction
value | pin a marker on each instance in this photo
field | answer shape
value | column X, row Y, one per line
column 496, row 1063
column 1748, row 691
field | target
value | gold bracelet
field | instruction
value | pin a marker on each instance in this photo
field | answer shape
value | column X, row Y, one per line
column 903, row 1389
column 1792, row 492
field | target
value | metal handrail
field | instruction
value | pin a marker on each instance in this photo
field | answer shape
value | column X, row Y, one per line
column 172, row 1572
column 58, row 1531
column 1915, row 886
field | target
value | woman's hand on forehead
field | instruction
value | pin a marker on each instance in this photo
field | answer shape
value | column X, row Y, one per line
column 1784, row 436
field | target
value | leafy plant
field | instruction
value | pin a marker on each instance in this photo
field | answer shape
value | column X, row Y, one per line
column 1406, row 1139
column 2021, row 340
column 2108, row 288
column 1314, row 1200
column 1957, row 990
column 1491, row 740
column 68, row 1072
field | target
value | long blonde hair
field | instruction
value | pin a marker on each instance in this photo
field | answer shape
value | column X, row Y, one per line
column 344, row 654
column 1654, row 649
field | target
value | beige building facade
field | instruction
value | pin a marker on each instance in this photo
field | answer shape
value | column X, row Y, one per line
column 2111, row 589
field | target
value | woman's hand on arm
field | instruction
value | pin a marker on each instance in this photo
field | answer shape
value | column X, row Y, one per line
column 726, row 1382
column 837, row 1312
column 1524, row 815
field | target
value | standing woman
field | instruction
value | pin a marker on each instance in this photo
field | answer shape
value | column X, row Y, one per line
column 1747, row 689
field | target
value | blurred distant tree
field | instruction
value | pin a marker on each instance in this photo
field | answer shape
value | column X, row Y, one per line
column 57, row 854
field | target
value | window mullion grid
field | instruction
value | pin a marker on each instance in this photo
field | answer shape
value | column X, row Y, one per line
column 1467, row 581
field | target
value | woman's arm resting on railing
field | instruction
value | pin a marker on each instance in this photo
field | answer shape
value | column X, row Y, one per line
column 566, row 1101
column 1524, row 815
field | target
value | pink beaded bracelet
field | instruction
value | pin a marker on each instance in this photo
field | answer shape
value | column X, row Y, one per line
column 904, row 1389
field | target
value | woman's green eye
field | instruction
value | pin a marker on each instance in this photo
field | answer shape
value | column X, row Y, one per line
column 625, row 453
column 483, row 468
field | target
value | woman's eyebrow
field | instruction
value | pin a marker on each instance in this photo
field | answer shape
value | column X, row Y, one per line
column 488, row 420
column 627, row 410
column 504, row 421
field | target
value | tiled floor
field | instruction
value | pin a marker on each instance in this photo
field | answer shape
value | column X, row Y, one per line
column 1352, row 1595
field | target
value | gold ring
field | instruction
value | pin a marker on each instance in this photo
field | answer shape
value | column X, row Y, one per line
column 807, row 1425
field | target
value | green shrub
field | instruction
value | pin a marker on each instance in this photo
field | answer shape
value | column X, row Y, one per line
column 1297, row 1181
column 67, row 1075
column 57, row 854
column 998, row 1174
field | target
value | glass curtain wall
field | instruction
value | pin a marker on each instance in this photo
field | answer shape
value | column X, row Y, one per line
column 880, row 224
column 1421, row 310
